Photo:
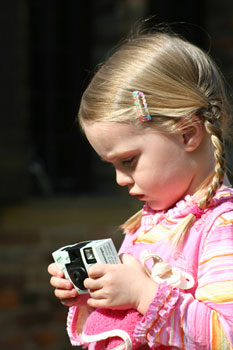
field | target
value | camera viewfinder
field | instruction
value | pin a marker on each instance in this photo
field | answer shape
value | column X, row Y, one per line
column 89, row 255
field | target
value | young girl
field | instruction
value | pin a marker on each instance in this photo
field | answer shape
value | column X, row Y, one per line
column 157, row 110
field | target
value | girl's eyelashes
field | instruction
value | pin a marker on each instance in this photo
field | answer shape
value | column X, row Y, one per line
column 129, row 163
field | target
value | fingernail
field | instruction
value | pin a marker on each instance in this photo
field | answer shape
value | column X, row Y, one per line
column 74, row 293
column 68, row 284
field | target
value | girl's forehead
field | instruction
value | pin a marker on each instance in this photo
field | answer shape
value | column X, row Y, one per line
column 108, row 138
column 111, row 130
column 113, row 140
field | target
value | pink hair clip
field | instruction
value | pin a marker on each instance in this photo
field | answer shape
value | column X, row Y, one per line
column 139, row 100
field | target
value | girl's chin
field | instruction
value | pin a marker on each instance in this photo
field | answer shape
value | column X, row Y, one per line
column 156, row 205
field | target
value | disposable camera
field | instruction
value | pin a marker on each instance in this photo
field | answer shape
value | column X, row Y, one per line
column 75, row 260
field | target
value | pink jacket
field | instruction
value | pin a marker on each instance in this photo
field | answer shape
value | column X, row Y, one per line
column 197, row 318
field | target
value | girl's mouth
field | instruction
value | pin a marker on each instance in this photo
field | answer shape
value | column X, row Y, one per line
column 139, row 196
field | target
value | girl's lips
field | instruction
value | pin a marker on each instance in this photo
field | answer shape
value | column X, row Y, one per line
column 139, row 196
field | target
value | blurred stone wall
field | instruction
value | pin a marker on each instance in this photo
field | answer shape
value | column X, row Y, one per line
column 14, row 100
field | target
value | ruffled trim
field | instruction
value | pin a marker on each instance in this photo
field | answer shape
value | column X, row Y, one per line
column 157, row 314
column 72, row 320
column 182, row 208
column 222, row 196
column 75, row 321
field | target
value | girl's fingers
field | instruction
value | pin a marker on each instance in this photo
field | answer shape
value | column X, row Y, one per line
column 60, row 283
column 93, row 284
column 97, row 270
column 97, row 294
column 66, row 294
column 54, row 270
column 97, row 303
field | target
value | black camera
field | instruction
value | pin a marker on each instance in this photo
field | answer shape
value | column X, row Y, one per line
column 75, row 260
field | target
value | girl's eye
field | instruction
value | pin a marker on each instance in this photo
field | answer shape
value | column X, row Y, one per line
column 128, row 162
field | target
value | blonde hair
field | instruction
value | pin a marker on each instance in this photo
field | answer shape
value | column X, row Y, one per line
column 179, row 81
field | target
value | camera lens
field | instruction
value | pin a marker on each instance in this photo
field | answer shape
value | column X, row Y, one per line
column 77, row 275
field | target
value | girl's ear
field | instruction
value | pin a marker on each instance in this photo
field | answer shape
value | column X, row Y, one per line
column 192, row 136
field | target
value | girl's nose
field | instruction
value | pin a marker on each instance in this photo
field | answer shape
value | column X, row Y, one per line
column 123, row 179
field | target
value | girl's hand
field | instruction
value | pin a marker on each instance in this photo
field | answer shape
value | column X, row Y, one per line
column 120, row 286
column 64, row 289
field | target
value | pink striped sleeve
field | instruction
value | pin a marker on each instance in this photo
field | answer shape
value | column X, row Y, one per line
column 203, row 321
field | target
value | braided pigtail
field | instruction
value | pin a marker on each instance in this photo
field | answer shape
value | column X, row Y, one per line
column 212, row 120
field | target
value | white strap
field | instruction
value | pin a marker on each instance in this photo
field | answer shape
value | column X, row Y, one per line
column 162, row 271
column 127, row 345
